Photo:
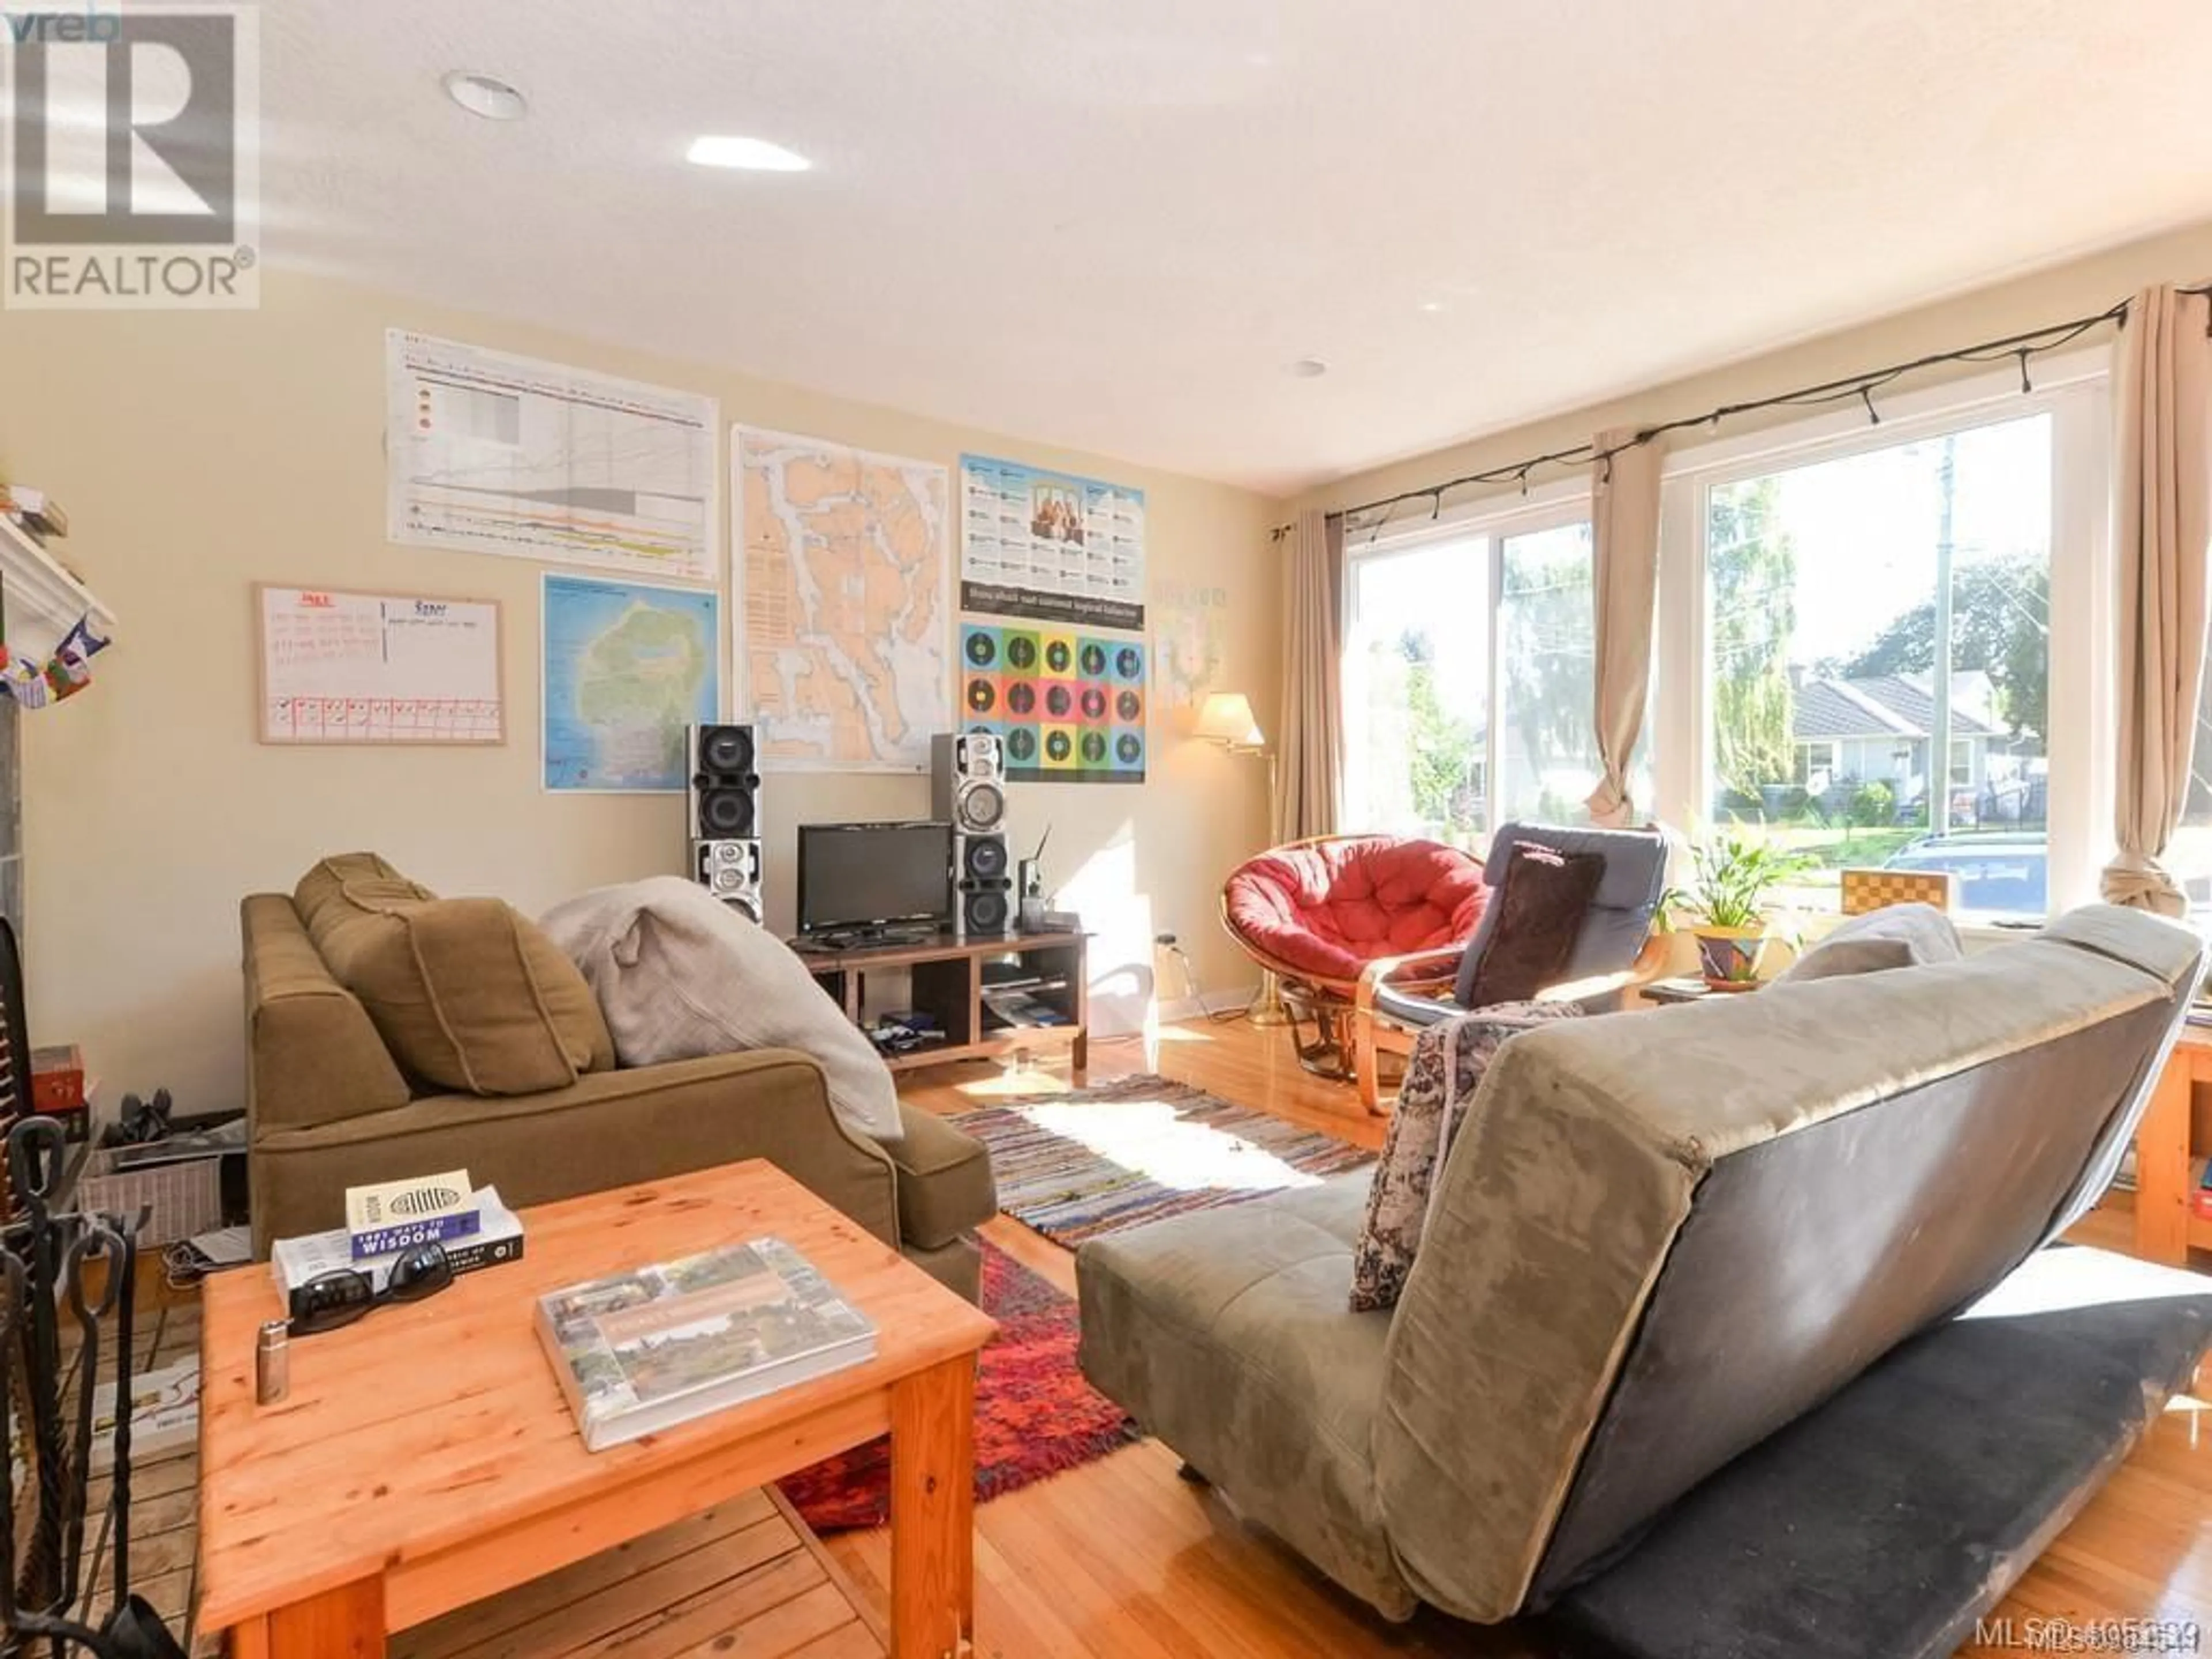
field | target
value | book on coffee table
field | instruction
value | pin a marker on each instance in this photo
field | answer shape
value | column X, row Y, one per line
column 643, row 1351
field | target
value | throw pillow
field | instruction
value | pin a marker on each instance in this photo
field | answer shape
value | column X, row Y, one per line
column 1447, row 1068
column 680, row 975
column 1541, row 902
column 1900, row 936
column 467, row 994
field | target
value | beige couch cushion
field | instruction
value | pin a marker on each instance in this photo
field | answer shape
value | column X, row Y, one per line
column 1896, row 936
column 468, row 994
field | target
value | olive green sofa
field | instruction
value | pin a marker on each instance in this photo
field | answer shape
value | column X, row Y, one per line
column 1661, row 1237
column 525, row 1094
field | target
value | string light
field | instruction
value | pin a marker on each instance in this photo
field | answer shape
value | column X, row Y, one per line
column 2033, row 342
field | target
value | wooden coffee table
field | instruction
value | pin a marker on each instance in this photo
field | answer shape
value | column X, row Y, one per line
column 425, row 1458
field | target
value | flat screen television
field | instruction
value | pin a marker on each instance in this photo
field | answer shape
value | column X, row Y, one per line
column 855, row 875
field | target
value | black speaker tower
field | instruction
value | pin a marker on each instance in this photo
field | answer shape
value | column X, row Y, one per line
column 967, row 789
column 723, row 809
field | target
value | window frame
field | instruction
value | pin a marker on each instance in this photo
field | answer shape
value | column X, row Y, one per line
column 1556, row 505
column 1962, row 760
column 2075, row 388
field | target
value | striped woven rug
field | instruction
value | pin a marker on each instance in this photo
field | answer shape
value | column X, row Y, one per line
column 1096, row 1161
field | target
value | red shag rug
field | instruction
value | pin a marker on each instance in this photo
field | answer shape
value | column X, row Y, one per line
column 1035, row 1415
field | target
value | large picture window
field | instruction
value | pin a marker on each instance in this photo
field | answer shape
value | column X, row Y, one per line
column 1876, row 623
column 1469, row 679
column 1880, row 635
column 1882, row 645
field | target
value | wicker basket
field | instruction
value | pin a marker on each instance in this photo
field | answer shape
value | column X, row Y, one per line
column 184, row 1197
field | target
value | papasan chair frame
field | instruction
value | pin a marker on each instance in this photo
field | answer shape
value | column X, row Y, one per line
column 1324, row 1001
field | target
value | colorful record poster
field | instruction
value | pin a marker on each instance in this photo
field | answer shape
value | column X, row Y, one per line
column 1069, row 707
column 1050, row 547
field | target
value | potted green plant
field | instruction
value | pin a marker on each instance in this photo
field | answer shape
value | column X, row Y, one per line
column 1732, row 873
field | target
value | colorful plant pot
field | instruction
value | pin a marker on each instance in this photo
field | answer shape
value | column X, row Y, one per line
column 1729, row 958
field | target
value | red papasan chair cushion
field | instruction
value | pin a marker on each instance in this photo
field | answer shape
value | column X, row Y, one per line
column 1328, row 908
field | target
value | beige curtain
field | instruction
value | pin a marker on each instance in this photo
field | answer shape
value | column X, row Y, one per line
column 1625, row 525
column 1309, row 740
column 2162, row 521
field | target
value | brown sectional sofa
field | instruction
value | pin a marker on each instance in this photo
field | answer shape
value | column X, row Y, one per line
column 330, row 1104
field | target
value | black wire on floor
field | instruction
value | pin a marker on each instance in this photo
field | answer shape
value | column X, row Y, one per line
column 1191, row 986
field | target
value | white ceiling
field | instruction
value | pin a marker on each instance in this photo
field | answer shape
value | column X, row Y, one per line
column 1112, row 224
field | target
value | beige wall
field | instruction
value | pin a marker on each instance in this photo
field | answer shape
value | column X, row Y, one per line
column 2054, row 294
column 199, row 452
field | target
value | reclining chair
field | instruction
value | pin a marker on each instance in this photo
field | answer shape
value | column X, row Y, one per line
column 1396, row 996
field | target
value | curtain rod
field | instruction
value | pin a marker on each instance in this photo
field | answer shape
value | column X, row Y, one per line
column 2022, row 347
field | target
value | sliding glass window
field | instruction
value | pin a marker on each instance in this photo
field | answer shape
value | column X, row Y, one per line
column 1448, row 628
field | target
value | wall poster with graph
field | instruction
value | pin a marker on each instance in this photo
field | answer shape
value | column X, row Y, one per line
column 489, row 452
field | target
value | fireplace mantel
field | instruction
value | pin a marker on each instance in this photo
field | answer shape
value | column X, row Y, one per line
column 42, row 601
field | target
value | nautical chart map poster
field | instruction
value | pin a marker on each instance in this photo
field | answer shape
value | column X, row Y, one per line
column 494, row 453
column 1049, row 546
column 844, row 618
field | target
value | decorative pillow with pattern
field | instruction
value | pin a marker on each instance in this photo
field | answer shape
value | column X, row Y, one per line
column 1447, row 1068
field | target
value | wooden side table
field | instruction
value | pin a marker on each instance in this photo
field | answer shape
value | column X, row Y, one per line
column 2168, row 1165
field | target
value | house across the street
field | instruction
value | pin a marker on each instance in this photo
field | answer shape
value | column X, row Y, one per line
column 1877, row 728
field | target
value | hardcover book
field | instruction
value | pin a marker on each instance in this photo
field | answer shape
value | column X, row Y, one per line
column 643, row 1351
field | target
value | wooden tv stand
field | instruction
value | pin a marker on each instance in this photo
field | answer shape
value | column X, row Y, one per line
column 949, row 975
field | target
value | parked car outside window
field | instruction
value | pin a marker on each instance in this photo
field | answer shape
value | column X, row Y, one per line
column 2002, row 873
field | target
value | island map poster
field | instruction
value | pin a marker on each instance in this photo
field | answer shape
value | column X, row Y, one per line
column 628, row 666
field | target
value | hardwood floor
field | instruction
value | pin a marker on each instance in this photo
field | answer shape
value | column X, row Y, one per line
column 1121, row 1559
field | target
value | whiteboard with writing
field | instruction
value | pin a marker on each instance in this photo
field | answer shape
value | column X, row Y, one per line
column 339, row 668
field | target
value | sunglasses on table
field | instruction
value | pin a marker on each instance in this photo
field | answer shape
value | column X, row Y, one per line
column 330, row 1301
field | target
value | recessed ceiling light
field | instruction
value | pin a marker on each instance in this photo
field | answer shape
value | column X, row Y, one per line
column 754, row 155
column 486, row 95
column 1433, row 306
column 1308, row 368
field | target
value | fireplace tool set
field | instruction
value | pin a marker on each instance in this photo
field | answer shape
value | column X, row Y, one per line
column 77, row 1270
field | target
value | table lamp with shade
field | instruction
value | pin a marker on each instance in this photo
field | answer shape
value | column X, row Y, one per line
column 1226, row 718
